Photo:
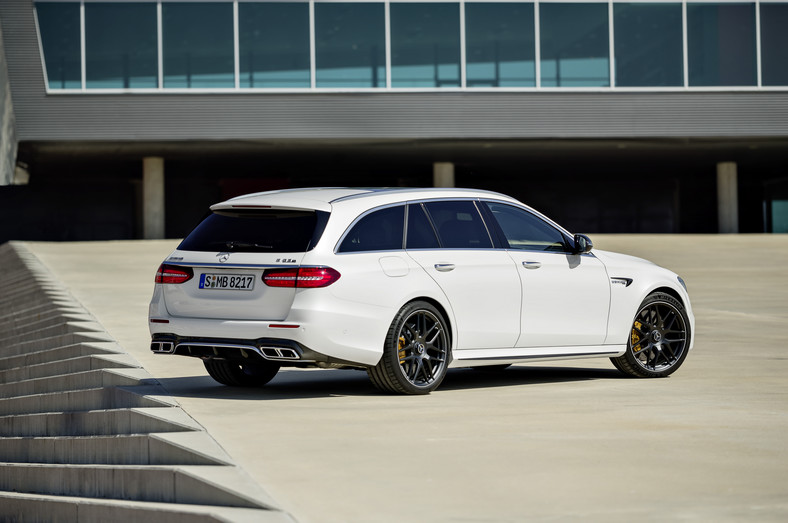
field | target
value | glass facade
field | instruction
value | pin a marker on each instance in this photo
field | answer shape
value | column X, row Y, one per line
column 273, row 44
column 721, row 44
column 574, row 43
column 648, row 45
column 198, row 44
column 59, row 26
column 350, row 45
column 399, row 44
column 774, row 44
column 425, row 45
column 121, row 46
column 500, row 45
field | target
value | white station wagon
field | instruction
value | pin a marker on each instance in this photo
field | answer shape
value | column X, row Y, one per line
column 406, row 283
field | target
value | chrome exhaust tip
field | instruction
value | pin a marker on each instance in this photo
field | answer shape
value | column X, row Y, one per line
column 162, row 347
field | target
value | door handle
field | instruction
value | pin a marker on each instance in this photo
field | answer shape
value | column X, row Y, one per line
column 532, row 264
column 444, row 267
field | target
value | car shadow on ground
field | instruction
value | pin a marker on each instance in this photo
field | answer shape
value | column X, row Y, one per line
column 299, row 384
column 519, row 375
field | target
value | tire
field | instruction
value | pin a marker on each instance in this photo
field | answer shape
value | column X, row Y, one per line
column 659, row 339
column 416, row 351
column 244, row 374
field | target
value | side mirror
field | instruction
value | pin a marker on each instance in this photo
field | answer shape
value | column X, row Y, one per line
column 583, row 244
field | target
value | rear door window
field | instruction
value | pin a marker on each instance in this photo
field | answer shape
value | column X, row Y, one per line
column 459, row 225
column 258, row 230
column 421, row 235
column 380, row 230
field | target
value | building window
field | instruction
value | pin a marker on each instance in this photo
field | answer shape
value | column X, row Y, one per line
column 574, row 45
column 721, row 44
column 350, row 45
column 499, row 45
column 774, row 44
column 274, row 44
column 345, row 44
column 121, row 46
column 425, row 45
column 60, row 39
column 648, row 45
column 198, row 45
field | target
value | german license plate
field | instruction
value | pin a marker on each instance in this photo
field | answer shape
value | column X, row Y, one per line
column 227, row 282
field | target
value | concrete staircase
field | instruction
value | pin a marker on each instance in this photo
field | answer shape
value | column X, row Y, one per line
column 86, row 434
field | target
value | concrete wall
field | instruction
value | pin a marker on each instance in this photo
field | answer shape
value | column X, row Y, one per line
column 378, row 115
column 7, row 123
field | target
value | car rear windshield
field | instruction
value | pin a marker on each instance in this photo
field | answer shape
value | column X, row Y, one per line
column 258, row 230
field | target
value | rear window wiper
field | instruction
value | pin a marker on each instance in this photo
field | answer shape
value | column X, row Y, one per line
column 246, row 245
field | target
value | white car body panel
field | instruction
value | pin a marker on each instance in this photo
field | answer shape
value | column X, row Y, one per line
column 566, row 299
column 483, row 288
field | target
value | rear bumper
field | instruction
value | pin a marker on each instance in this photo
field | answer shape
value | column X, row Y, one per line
column 282, row 351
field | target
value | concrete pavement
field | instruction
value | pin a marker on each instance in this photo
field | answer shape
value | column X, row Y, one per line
column 552, row 441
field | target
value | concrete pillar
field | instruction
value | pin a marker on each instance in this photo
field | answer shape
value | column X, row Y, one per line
column 153, row 198
column 443, row 174
column 727, row 198
column 8, row 137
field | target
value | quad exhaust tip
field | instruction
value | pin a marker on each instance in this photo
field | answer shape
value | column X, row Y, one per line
column 162, row 347
column 279, row 353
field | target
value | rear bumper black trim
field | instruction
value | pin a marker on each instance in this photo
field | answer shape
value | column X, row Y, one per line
column 282, row 351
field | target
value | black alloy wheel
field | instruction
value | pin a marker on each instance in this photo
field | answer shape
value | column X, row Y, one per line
column 659, row 339
column 416, row 352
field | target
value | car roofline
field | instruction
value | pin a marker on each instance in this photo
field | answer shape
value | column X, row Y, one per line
column 415, row 190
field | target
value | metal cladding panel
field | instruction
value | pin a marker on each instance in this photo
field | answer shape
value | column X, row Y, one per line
column 364, row 115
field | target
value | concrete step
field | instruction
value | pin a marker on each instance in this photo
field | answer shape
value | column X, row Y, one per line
column 63, row 327
column 88, row 435
column 104, row 398
column 22, row 508
column 21, row 324
column 53, row 342
column 134, row 449
column 81, row 380
column 68, row 366
column 43, row 311
column 30, row 294
column 162, row 484
column 97, row 422
column 59, row 353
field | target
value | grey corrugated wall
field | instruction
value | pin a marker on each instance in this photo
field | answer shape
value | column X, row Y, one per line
column 87, row 117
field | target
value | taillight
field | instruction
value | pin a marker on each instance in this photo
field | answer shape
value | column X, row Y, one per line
column 173, row 274
column 303, row 277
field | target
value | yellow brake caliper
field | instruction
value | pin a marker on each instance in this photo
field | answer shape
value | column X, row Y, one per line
column 401, row 351
column 636, row 337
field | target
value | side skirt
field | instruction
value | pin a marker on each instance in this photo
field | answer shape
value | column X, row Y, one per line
column 474, row 357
